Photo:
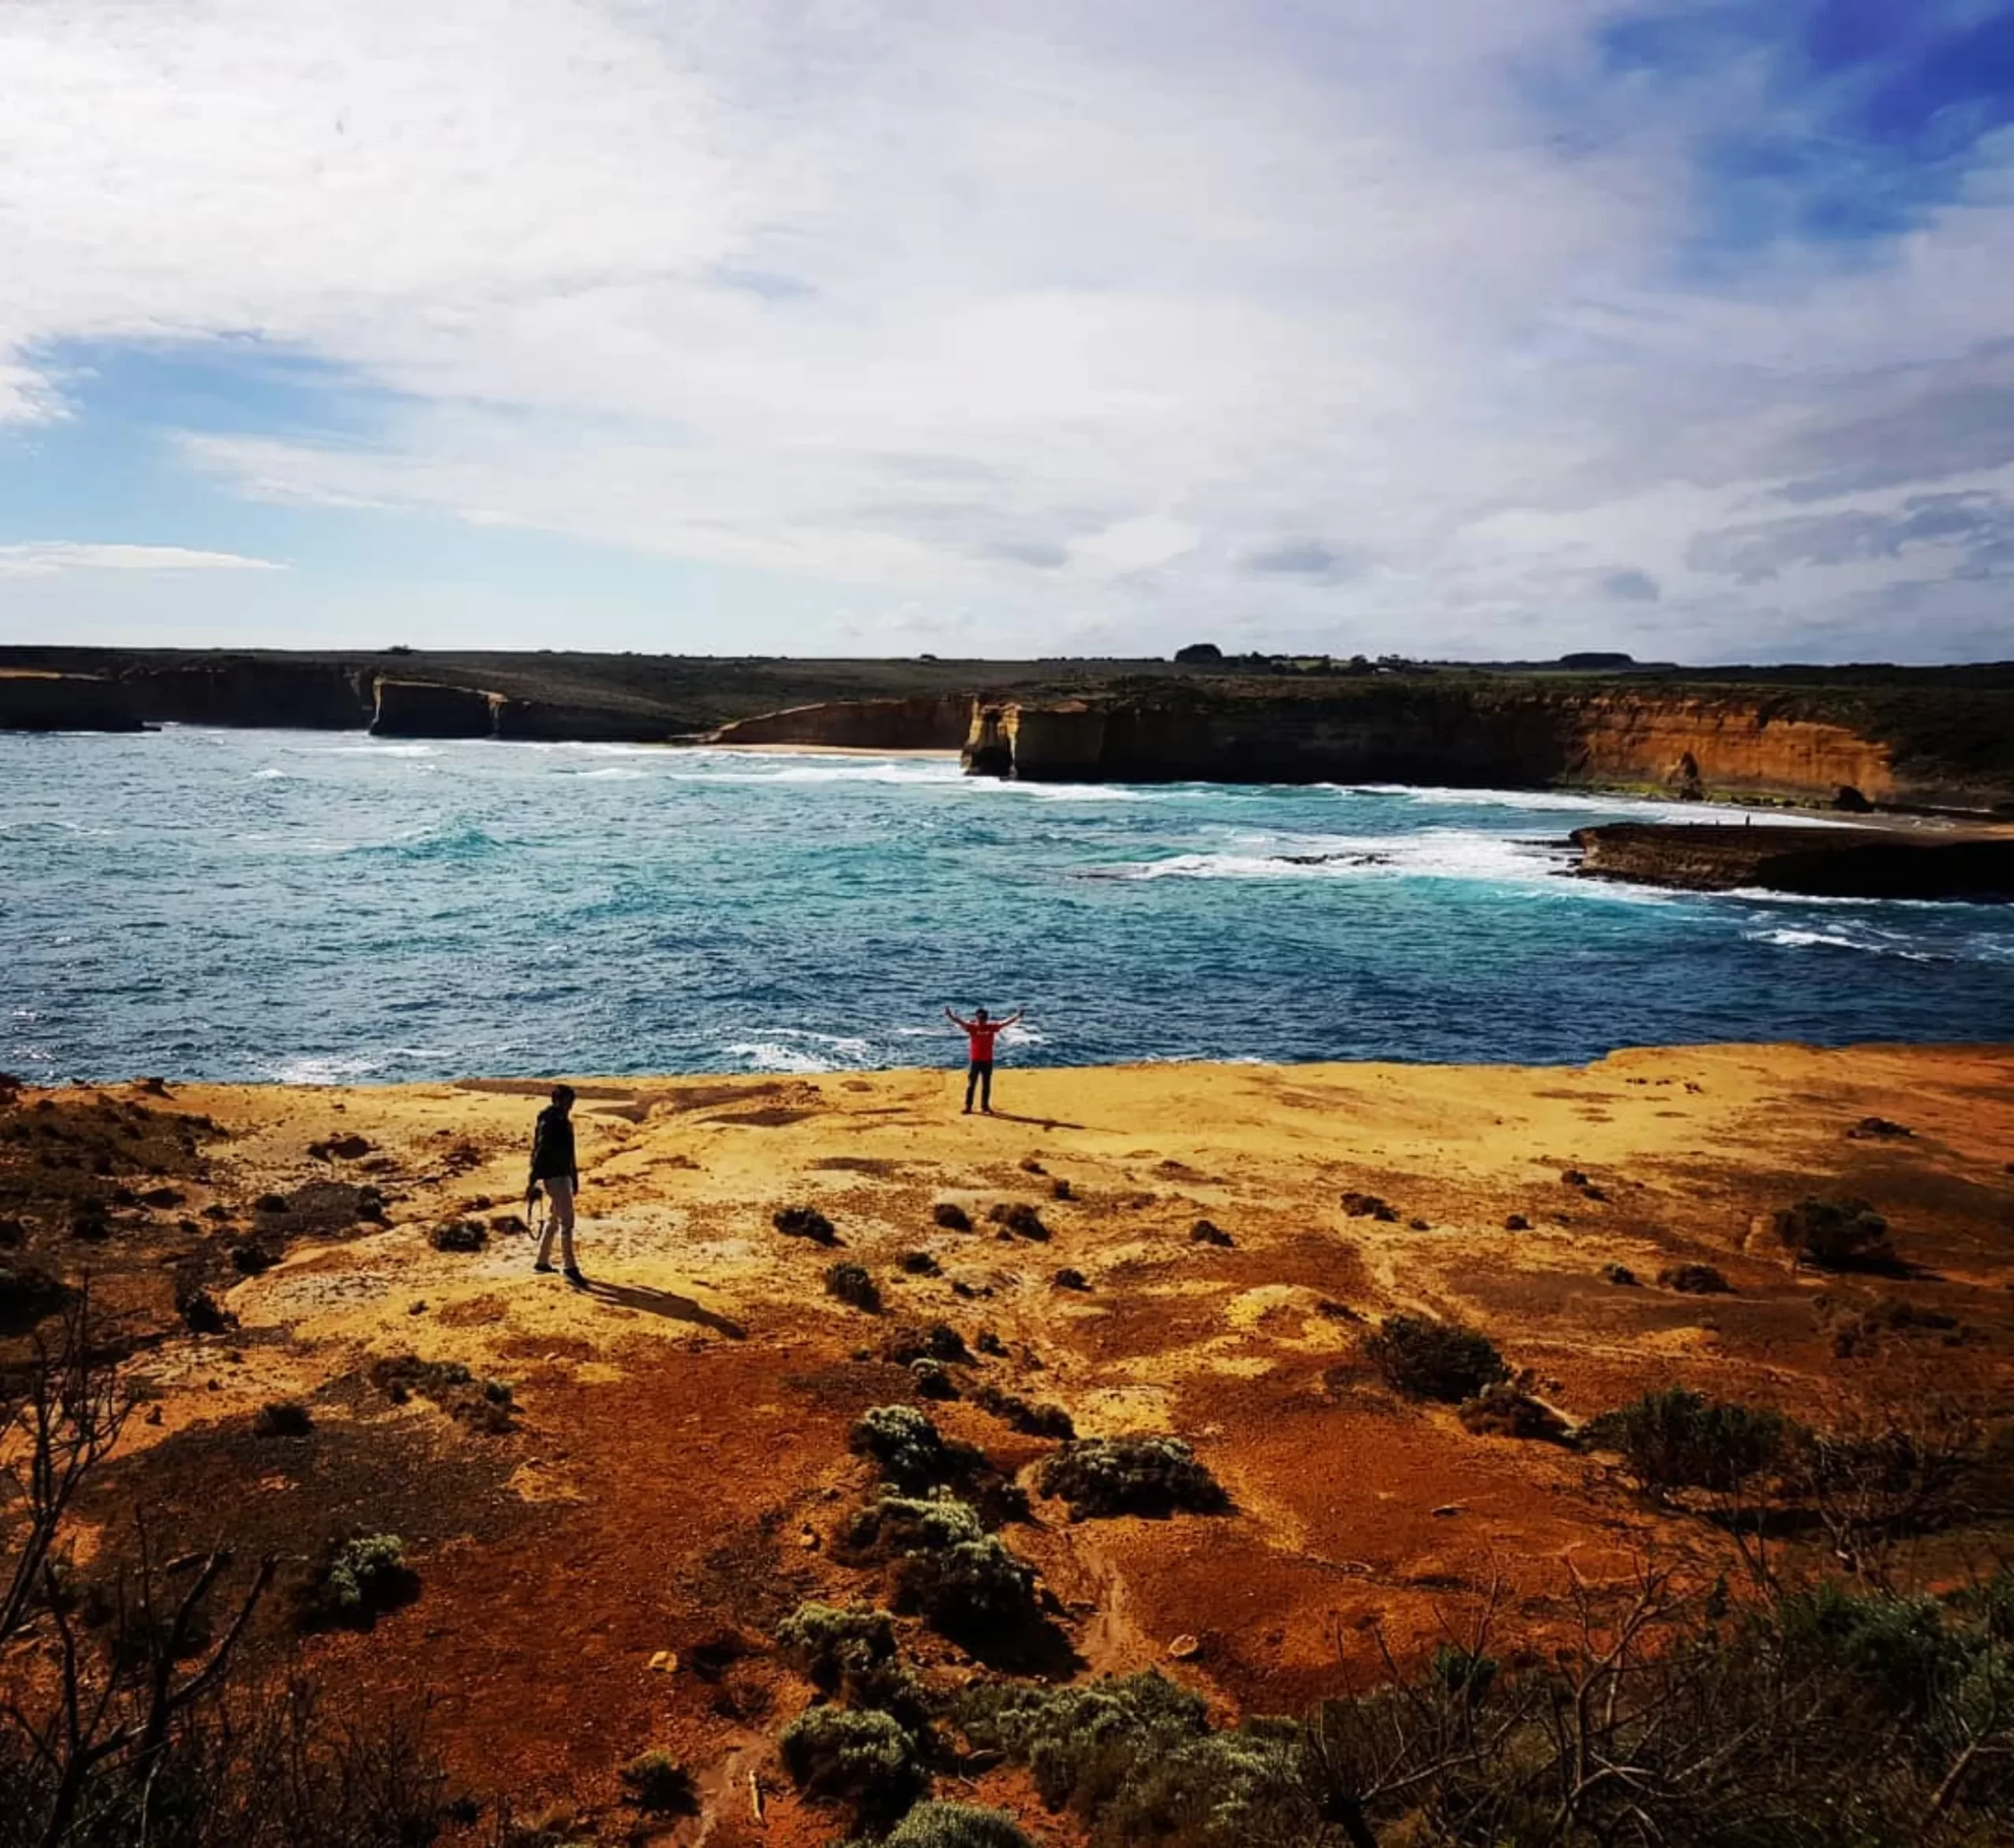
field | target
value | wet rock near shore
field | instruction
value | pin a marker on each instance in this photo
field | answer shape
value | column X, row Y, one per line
column 1831, row 862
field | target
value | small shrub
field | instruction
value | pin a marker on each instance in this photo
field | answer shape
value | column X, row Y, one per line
column 1464, row 1672
column 939, row 1341
column 931, row 1381
column 1137, row 1759
column 895, row 1525
column 358, row 1580
column 973, row 1591
column 956, row 1825
column 919, row 1263
column 1424, row 1358
column 200, row 1313
column 857, row 1756
column 1501, row 1411
column 1874, row 1129
column 1021, row 1219
column 1204, row 1232
column 1694, row 1280
column 659, row 1785
column 1516, row 1223
column 1679, row 1439
column 27, row 1293
column 1033, row 1421
column 1152, row 1476
column 1069, row 1278
column 282, row 1418
column 270, row 1202
column 852, row 1285
column 804, row 1222
column 460, row 1235
column 252, row 1259
column 1368, row 1206
column 1081, row 1742
column 951, row 1216
column 907, row 1446
column 482, row 1404
column 1619, row 1275
column 1835, row 1234
column 831, row 1647
column 1059, row 1189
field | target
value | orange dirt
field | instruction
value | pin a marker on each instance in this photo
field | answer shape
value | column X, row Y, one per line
column 604, row 1577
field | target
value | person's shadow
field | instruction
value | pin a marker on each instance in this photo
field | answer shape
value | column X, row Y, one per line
column 1047, row 1122
column 667, row 1304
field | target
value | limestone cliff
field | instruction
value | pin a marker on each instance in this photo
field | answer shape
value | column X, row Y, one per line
column 304, row 694
column 931, row 722
column 1478, row 732
column 63, row 702
column 421, row 709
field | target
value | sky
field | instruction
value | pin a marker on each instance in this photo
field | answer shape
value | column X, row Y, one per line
column 1446, row 328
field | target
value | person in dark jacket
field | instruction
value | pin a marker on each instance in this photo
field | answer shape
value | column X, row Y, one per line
column 556, row 1169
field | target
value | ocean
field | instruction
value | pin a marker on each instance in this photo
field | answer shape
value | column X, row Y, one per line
column 327, row 908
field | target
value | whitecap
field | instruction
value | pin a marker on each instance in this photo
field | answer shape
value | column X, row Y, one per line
column 763, row 1056
column 325, row 1068
column 1714, row 814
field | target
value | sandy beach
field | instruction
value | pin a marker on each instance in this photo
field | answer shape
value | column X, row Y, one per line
column 676, row 1467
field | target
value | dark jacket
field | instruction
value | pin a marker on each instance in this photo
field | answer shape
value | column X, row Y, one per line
column 552, row 1146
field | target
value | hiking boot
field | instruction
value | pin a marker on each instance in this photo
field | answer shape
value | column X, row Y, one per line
column 574, row 1277
column 542, row 1265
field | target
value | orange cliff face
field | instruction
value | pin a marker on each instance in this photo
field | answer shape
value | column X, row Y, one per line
column 1713, row 747
column 1467, row 734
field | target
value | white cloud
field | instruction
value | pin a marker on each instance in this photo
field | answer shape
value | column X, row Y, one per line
column 1063, row 319
column 51, row 557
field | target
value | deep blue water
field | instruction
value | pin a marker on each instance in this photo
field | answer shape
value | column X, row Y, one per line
column 246, row 904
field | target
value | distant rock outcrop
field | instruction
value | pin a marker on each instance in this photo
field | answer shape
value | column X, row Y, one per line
column 419, row 709
column 63, row 702
column 935, row 722
column 1823, row 862
column 303, row 694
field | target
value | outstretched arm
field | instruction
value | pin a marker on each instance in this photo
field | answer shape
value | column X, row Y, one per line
column 963, row 1026
column 1012, row 1018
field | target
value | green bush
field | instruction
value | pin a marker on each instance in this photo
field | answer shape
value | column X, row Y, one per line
column 1153, row 1476
column 1425, row 1358
column 940, row 1341
column 844, row 1754
column 1501, row 1411
column 851, row 1285
column 1137, row 1759
column 894, row 1525
column 358, row 1580
column 659, row 1785
column 973, row 1591
column 1464, row 1672
column 1679, row 1439
column 27, row 1293
column 909, row 1448
column 804, row 1222
column 1032, row 1420
column 1836, row 1234
column 831, row 1647
column 282, row 1418
column 954, row 1825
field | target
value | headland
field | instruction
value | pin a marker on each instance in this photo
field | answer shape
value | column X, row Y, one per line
column 605, row 1553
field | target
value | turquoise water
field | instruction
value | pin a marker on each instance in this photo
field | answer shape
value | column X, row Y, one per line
column 309, row 907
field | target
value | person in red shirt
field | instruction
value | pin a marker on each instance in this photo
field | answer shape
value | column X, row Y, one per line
column 980, row 1033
